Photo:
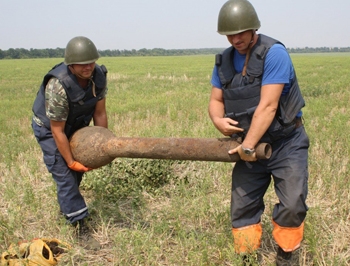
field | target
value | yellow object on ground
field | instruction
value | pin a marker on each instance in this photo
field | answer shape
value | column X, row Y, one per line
column 38, row 252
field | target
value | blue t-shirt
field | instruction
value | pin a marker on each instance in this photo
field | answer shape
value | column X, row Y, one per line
column 278, row 68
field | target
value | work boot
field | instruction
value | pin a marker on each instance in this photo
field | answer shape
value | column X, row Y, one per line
column 284, row 258
column 84, row 235
column 60, row 215
column 252, row 259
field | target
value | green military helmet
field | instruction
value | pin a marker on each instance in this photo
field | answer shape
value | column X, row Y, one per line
column 237, row 16
column 80, row 50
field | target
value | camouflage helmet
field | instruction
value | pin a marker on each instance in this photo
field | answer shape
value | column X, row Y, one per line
column 237, row 16
column 80, row 50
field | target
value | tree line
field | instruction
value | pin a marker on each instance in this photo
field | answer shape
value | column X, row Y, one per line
column 21, row 53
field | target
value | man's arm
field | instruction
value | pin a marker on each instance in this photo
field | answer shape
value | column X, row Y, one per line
column 62, row 143
column 225, row 125
column 262, row 119
column 57, row 129
column 264, row 114
column 100, row 114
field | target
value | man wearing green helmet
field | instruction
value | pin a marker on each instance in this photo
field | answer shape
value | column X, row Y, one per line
column 71, row 95
column 256, row 98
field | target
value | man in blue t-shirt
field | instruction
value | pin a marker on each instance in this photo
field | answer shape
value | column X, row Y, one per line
column 256, row 98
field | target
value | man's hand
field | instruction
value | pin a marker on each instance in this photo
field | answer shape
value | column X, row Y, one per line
column 242, row 155
column 78, row 167
column 227, row 126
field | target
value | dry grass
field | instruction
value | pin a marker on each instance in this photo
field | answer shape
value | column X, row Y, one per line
column 186, row 222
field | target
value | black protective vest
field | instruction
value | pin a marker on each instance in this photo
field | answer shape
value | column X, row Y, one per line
column 242, row 93
column 81, row 102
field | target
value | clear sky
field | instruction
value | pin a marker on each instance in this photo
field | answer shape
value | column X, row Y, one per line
column 176, row 24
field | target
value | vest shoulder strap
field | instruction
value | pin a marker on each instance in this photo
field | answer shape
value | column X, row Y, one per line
column 224, row 63
column 258, row 54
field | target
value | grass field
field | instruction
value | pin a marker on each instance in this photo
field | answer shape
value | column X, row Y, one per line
column 153, row 212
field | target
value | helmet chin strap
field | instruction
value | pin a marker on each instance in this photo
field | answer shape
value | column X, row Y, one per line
column 253, row 35
column 244, row 71
column 81, row 77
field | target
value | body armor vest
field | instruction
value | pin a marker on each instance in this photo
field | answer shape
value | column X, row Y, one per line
column 81, row 102
column 241, row 94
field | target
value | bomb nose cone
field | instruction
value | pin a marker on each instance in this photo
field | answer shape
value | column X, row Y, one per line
column 89, row 144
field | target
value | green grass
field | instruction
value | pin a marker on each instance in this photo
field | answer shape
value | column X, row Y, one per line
column 151, row 212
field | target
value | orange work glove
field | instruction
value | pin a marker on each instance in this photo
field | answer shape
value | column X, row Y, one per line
column 76, row 166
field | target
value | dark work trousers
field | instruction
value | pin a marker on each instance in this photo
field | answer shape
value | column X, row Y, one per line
column 71, row 202
column 288, row 166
